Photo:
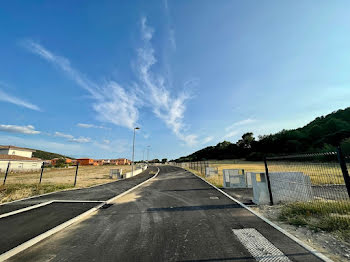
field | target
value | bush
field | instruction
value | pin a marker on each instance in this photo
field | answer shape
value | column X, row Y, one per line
column 61, row 163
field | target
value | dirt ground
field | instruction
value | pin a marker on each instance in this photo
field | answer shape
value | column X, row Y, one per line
column 327, row 243
column 87, row 175
column 22, row 185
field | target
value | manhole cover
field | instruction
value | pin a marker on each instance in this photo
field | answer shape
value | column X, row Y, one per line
column 214, row 197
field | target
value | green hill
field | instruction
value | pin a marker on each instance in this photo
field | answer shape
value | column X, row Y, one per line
column 324, row 133
column 47, row 155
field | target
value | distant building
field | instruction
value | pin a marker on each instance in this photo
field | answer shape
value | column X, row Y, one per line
column 85, row 161
column 54, row 161
column 106, row 161
column 20, row 159
column 120, row 161
column 17, row 151
column 99, row 162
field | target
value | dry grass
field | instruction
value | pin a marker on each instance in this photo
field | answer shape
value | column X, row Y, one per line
column 331, row 216
column 18, row 191
column 319, row 173
column 21, row 185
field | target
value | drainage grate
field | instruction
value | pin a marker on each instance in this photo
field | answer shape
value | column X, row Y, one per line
column 106, row 206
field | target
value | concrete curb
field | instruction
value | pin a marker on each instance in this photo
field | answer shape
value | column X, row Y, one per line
column 131, row 189
column 58, row 228
column 71, row 189
column 298, row 241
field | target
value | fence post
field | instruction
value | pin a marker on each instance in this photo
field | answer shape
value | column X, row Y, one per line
column 268, row 181
column 41, row 173
column 344, row 169
column 76, row 174
column 7, row 170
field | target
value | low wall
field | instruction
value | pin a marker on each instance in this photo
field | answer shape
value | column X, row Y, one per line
column 136, row 172
column 285, row 187
column 236, row 178
column 211, row 171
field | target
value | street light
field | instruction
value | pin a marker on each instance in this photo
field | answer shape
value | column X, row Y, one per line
column 133, row 151
column 148, row 153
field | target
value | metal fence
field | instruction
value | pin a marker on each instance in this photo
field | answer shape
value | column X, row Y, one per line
column 319, row 181
column 322, row 172
column 71, row 176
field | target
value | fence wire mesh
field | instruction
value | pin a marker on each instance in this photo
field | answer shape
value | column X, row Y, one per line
column 314, row 183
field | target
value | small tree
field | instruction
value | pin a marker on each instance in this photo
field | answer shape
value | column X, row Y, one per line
column 164, row 160
column 60, row 162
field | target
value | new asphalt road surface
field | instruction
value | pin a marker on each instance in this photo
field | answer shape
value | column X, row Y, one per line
column 18, row 228
column 174, row 217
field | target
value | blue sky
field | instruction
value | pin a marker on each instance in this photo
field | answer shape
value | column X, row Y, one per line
column 77, row 76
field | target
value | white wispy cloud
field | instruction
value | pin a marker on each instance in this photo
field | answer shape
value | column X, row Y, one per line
column 120, row 106
column 231, row 134
column 113, row 103
column 241, row 123
column 89, row 126
column 29, row 129
column 81, row 140
column 17, row 101
column 71, row 138
column 207, row 139
column 59, row 134
column 167, row 107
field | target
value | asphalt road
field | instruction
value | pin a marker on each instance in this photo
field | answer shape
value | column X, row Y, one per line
column 174, row 217
column 19, row 228
column 97, row 193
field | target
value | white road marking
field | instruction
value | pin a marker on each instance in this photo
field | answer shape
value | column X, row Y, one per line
column 25, row 209
column 214, row 197
column 258, row 246
column 45, row 204
column 58, row 228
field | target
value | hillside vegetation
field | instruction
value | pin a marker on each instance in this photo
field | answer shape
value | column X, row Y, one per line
column 47, row 155
column 324, row 133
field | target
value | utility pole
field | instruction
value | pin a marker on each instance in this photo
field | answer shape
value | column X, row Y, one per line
column 133, row 151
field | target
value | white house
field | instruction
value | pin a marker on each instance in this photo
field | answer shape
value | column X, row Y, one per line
column 20, row 159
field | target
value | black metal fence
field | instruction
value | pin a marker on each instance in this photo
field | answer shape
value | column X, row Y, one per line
column 318, row 183
column 318, row 177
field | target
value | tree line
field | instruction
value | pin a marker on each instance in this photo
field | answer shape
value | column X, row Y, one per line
column 323, row 134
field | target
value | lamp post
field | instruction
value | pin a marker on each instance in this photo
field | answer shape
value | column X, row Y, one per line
column 148, row 153
column 133, row 151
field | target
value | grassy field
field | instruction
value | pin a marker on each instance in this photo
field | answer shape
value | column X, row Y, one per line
column 320, row 173
column 21, row 185
column 330, row 216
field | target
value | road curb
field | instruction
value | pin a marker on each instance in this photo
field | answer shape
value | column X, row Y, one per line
column 298, row 241
column 58, row 228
